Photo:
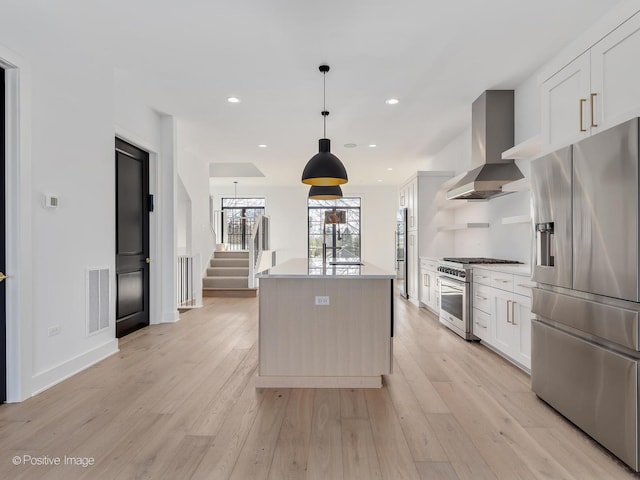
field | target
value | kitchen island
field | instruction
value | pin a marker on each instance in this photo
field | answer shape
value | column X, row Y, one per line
column 325, row 327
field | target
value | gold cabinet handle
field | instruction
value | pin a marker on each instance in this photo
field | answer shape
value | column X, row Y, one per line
column 582, row 102
column 3, row 277
column 593, row 114
column 509, row 303
column 513, row 316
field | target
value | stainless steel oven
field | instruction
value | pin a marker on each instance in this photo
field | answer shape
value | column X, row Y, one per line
column 454, row 298
column 455, row 292
column 455, row 304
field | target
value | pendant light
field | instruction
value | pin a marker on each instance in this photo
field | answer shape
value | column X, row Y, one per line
column 324, row 169
column 325, row 193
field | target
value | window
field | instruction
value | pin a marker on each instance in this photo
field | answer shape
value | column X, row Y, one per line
column 241, row 215
column 334, row 225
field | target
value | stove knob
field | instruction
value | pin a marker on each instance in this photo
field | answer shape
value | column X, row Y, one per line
column 462, row 274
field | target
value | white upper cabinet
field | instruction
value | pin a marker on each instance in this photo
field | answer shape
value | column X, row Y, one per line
column 409, row 200
column 564, row 106
column 597, row 90
column 615, row 76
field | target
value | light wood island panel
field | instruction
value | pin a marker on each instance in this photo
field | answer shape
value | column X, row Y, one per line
column 346, row 344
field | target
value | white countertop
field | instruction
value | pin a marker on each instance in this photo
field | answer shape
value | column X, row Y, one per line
column 300, row 268
column 519, row 269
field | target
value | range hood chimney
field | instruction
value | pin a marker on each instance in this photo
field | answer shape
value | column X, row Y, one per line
column 492, row 134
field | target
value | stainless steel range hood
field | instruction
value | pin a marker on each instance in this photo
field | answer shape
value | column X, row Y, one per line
column 492, row 134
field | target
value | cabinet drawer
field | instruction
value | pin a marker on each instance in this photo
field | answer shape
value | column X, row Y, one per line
column 482, row 297
column 481, row 276
column 522, row 285
column 481, row 322
column 503, row 281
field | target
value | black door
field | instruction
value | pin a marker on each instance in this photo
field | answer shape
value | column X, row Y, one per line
column 132, row 238
column 3, row 302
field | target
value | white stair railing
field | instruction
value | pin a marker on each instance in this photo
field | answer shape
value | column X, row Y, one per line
column 187, row 279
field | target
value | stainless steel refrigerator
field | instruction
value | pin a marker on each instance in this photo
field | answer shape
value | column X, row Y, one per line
column 401, row 253
column 585, row 337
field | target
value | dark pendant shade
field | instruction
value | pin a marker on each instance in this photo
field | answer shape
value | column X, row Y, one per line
column 325, row 193
column 324, row 169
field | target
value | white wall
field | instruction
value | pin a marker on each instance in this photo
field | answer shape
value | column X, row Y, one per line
column 71, row 152
column 194, row 175
column 72, row 157
column 454, row 157
column 76, row 106
column 287, row 207
column 183, row 219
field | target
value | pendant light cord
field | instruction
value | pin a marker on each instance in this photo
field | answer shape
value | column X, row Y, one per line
column 324, row 69
column 324, row 102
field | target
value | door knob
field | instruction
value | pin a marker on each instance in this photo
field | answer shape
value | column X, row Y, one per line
column 3, row 277
column 148, row 260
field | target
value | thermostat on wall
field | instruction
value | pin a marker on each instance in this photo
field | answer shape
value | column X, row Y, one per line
column 50, row 201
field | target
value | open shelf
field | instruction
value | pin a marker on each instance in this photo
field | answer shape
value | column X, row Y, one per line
column 516, row 219
column 526, row 150
column 463, row 226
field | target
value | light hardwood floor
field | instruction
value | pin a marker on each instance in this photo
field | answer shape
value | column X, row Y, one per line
column 179, row 402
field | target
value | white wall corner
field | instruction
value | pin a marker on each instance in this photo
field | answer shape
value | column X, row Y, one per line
column 170, row 317
column 47, row 379
column 18, row 246
column 168, row 202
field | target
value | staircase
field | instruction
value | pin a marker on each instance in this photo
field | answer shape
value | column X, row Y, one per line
column 228, row 275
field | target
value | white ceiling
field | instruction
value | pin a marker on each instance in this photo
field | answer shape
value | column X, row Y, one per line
column 436, row 56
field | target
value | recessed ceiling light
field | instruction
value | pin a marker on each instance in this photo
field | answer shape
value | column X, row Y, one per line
column 373, row 145
column 233, row 100
column 379, row 180
column 262, row 145
column 389, row 168
column 350, row 145
column 391, row 101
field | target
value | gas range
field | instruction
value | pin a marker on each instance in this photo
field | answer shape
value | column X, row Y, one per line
column 456, row 305
column 459, row 268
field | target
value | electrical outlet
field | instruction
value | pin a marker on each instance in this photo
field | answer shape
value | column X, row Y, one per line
column 322, row 300
column 55, row 330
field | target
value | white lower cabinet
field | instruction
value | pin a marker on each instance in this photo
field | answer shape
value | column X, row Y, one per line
column 502, row 317
column 429, row 285
column 482, row 325
column 522, row 325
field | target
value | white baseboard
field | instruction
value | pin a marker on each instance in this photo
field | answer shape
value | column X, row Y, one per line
column 47, row 379
column 170, row 317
